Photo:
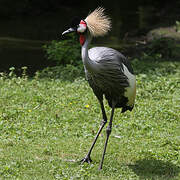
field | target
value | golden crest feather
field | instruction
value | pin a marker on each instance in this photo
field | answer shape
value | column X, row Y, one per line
column 98, row 23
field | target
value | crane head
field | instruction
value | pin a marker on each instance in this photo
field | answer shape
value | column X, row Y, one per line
column 77, row 25
column 80, row 27
column 97, row 22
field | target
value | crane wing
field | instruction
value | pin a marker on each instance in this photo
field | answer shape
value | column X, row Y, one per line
column 107, row 56
column 110, row 76
column 109, row 73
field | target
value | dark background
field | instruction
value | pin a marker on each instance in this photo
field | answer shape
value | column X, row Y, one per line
column 28, row 24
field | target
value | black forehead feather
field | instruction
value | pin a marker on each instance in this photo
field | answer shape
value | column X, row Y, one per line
column 75, row 21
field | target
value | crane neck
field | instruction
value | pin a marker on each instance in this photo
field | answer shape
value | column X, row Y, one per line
column 84, row 49
column 88, row 63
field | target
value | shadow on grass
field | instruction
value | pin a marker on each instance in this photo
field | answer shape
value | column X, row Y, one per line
column 155, row 169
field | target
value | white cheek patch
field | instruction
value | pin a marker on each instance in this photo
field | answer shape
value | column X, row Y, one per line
column 81, row 28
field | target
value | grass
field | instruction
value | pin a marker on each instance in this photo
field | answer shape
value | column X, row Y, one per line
column 47, row 124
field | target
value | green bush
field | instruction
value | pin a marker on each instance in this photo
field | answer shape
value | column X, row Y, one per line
column 68, row 72
column 64, row 51
column 162, row 46
column 177, row 26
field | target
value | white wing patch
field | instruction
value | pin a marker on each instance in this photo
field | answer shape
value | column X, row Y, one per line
column 130, row 92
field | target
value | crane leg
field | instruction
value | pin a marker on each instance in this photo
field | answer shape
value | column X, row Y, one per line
column 104, row 121
column 108, row 132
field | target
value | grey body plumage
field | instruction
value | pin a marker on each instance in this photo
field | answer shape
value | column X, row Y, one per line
column 108, row 72
column 108, row 78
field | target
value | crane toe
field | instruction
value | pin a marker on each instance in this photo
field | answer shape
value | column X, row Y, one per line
column 86, row 159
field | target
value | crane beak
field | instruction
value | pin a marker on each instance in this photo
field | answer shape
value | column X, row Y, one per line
column 68, row 31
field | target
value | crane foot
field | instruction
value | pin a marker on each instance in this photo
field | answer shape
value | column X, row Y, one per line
column 86, row 159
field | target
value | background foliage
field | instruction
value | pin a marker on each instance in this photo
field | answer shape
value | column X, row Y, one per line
column 64, row 51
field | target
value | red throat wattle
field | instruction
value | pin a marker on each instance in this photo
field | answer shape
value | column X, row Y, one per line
column 82, row 39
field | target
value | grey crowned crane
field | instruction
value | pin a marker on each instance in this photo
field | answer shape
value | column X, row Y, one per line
column 108, row 72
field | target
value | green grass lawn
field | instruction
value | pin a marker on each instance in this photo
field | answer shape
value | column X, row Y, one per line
column 47, row 125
